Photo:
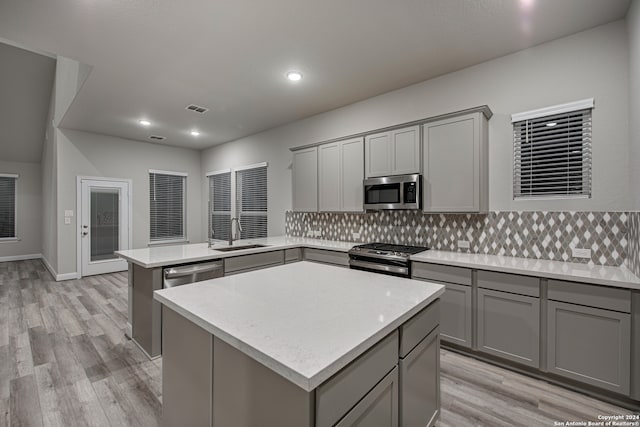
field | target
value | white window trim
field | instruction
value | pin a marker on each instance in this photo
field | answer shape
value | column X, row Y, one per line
column 15, row 238
column 161, row 172
column 253, row 166
column 554, row 109
column 220, row 172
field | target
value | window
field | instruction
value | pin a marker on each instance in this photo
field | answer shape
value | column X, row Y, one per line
column 552, row 152
column 167, row 197
column 245, row 198
column 8, row 184
column 251, row 201
column 219, row 205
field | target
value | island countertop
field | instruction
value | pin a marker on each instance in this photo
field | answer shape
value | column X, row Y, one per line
column 305, row 321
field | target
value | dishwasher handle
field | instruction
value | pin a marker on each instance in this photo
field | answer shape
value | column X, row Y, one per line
column 172, row 273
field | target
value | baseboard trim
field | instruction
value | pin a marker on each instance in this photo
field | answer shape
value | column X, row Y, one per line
column 20, row 257
column 58, row 277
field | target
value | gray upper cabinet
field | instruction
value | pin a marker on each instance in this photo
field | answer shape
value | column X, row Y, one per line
column 340, row 175
column 305, row 180
column 455, row 161
column 396, row 152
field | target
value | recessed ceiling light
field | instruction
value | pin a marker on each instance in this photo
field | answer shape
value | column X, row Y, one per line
column 551, row 124
column 145, row 122
column 195, row 133
column 294, row 76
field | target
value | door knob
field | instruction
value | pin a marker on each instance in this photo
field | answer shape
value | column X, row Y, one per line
column 85, row 226
column 84, row 233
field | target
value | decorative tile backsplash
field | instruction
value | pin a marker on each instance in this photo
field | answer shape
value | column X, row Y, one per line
column 537, row 234
column 633, row 236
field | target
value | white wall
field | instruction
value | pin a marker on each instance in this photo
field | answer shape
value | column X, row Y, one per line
column 593, row 63
column 29, row 198
column 48, row 166
column 633, row 27
column 89, row 154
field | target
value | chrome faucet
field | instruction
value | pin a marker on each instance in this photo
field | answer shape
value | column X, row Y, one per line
column 231, row 229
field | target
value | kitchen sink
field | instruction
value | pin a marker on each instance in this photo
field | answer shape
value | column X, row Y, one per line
column 239, row 248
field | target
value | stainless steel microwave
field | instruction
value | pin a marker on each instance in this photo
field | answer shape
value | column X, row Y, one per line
column 393, row 192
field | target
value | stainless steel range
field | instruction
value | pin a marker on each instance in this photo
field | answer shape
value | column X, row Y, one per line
column 383, row 258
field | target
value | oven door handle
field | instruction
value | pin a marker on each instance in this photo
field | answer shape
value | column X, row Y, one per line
column 383, row 257
column 379, row 267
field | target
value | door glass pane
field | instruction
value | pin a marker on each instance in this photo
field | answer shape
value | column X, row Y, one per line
column 104, row 223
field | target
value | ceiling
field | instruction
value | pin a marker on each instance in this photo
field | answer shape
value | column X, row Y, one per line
column 151, row 58
column 26, row 80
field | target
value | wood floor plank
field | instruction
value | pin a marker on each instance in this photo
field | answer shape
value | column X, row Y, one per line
column 24, row 405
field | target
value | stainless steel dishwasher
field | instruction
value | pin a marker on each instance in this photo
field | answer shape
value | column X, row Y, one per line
column 177, row 276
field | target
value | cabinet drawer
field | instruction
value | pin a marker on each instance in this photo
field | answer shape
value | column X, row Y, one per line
column 418, row 327
column 509, row 326
column 523, row 285
column 326, row 256
column 441, row 273
column 590, row 345
column 379, row 408
column 591, row 295
column 253, row 261
column 339, row 394
column 292, row 255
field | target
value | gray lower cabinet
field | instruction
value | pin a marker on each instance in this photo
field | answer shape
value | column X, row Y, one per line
column 420, row 383
column 509, row 326
column 590, row 345
column 244, row 263
column 456, row 312
column 292, row 255
column 326, row 256
column 379, row 408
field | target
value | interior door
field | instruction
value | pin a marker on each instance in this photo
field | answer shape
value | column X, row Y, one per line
column 105, row 225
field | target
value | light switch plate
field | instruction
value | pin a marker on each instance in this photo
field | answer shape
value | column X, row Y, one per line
column 68, row 213
column 581, row 253
column 67, row 221
column 464, row 244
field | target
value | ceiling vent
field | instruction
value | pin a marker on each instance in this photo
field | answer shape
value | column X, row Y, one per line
column 157, row 137
column 197, row 108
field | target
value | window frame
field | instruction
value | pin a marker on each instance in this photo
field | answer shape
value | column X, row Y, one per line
column 15, row 177
column 586, row 149
column 183, row 238
column 233, row 213
column 209, row 176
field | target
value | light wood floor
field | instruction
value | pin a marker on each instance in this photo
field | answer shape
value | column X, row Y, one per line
column 64, row 361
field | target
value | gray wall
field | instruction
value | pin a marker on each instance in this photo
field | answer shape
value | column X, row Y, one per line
column 29, row 223
column 48, row 166
column 593, row 63
column 89, row 154
column 633, row 26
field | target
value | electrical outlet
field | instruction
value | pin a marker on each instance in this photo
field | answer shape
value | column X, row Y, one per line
column 463, row 244
column 581, row 253
column 67, row 221
column 318, row 233
column 355, row 236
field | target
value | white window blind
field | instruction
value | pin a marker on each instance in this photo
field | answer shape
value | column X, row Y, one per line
column 251, row 201
column 552, row 155
column 220, row 205
column 8, row 206
column 167, row 206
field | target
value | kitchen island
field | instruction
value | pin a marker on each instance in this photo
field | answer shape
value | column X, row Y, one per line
column 302, row 344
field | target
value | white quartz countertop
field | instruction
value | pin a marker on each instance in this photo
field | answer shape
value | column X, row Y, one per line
column 620, row 277
column 160, row 256
column 305, row 321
